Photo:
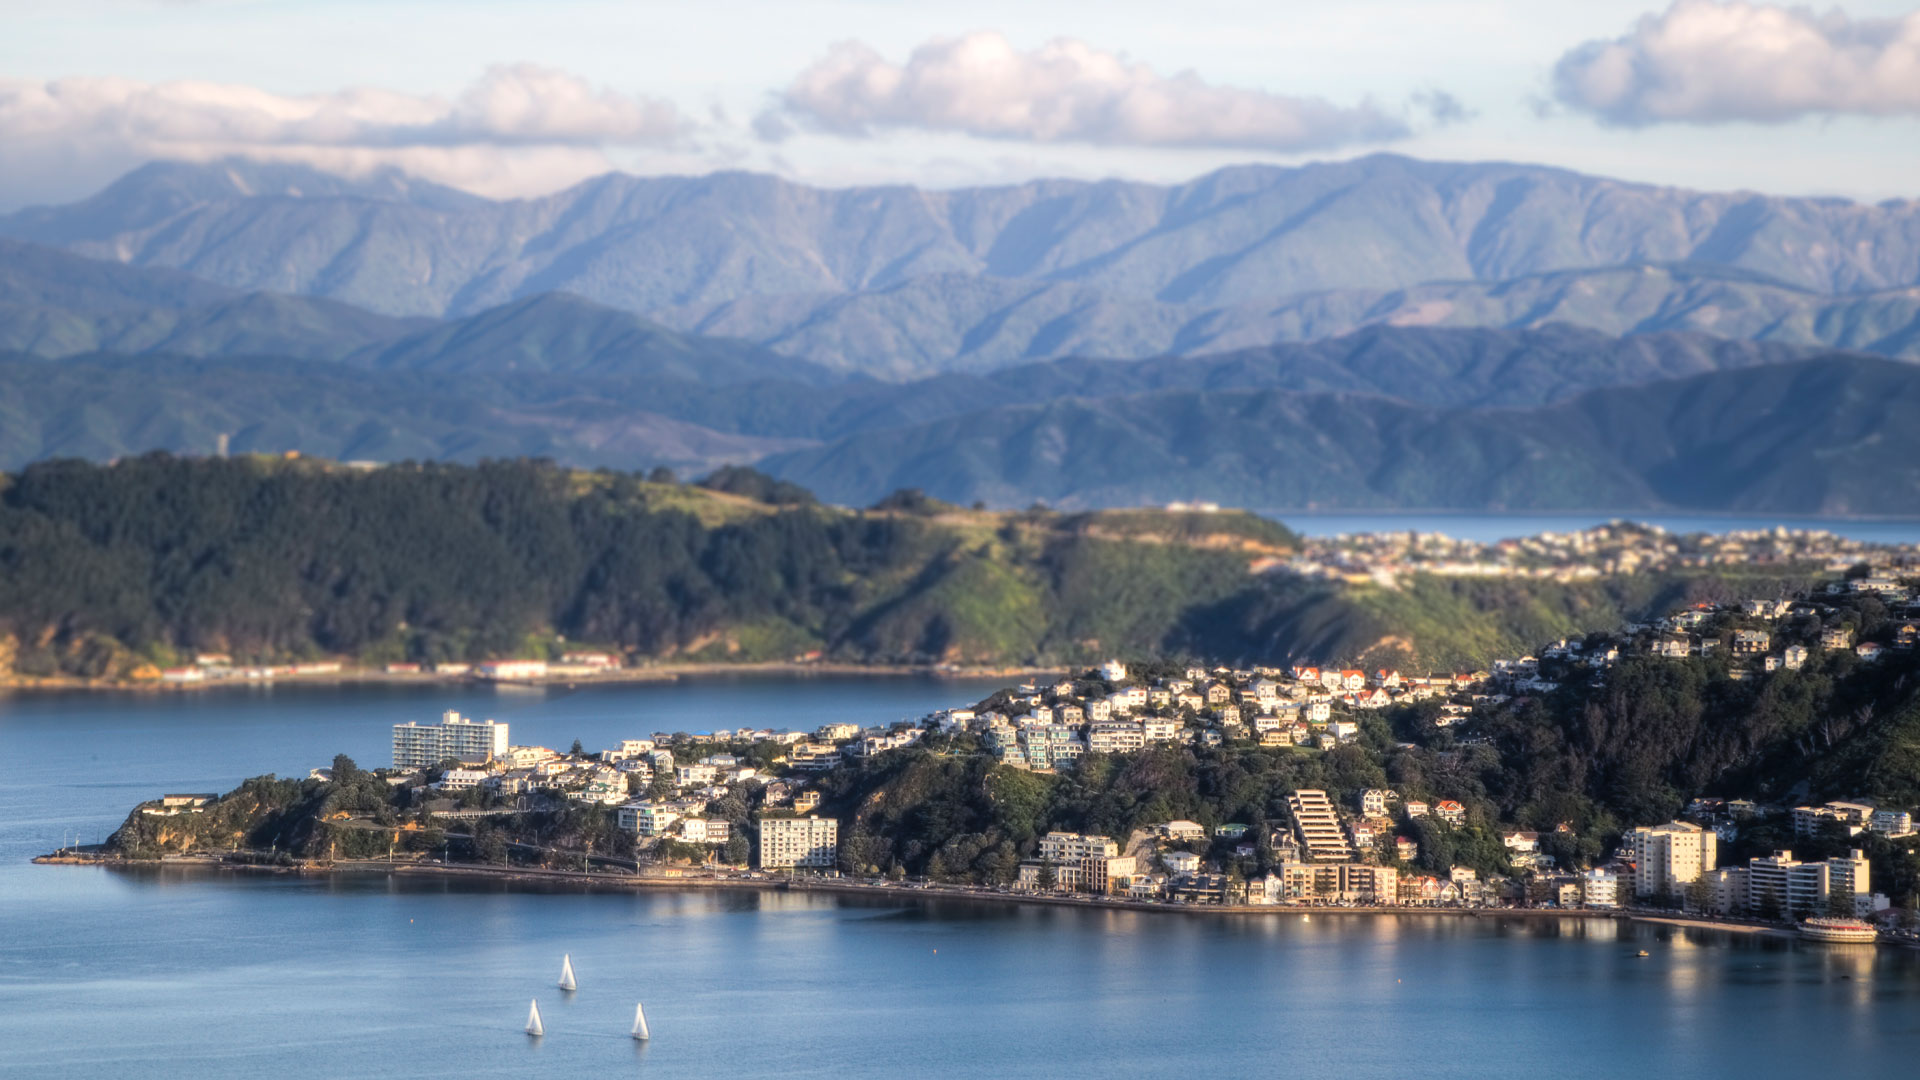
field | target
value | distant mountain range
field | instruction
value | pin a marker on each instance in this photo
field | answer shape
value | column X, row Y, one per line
column 900, row 283
column 1817, row 437
column 1377, row 333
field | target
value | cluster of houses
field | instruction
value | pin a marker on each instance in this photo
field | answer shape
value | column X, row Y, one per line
column 1050, row 727
column 1771, row 635
column 1756, row 636
column 1617, row 548
column 675, row 793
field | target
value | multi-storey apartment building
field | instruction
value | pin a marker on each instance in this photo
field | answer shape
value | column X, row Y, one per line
column 1667, row 858
column 419, row 746
column 1083, row 862
column 806, row 843
column 1318, row 825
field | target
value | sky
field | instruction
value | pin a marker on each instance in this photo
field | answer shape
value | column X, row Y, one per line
column 518, row 99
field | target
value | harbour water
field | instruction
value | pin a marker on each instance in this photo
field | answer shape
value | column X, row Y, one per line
column 172, row 973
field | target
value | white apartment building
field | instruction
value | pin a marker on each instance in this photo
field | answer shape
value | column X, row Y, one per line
column 1062, row 847
column 1779, row 881
column 420, row 746
column 691, row 775
column 647, row 819
column 1317, row 825
column 1849, row 873
column 1668, row 858
column 1599, row 889
column 1083, row 862
column 1115, row 738
column 461, row 779
column 705, row 830
column 1159, row 730
column 1893, row 822
column 808, row 843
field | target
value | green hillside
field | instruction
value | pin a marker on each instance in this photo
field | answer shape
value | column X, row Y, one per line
column 105, row 567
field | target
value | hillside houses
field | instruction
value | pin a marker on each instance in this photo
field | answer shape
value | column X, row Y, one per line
column 1309, row 707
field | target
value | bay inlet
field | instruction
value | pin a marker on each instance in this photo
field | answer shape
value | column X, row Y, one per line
column 171, row 973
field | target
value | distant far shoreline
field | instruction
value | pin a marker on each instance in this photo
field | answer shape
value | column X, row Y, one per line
column 650, row 673
column 1488, row 526
column 696, row 882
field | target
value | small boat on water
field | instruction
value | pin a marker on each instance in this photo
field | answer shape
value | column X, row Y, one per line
column 566, row 973
column 1843, row 931
column 1644, row 952
column 640, row 1023
column 534, row 1026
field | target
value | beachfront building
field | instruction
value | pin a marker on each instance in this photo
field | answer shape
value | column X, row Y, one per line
column 1081, row 862
column 1778, row 884
column 1667, row 858
column 807, row 843
column 1600, row 889
column 420, row 746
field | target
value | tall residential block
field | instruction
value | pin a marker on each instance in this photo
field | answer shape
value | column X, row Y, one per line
column 418, row 746
column 808, row 843
column 1668, row 858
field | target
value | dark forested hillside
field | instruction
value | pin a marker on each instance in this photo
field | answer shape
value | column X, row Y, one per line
column 1814, row 437
column 103, row 568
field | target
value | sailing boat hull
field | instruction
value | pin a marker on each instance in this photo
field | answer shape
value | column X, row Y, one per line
column 534, row 1027
column 640, row 1023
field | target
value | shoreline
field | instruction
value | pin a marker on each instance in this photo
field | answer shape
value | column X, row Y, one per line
column 651, row 673
column 696, row 880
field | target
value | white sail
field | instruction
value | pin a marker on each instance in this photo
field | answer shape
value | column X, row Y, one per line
column 534, row 1026
column 640, row 1023
column 566, row 973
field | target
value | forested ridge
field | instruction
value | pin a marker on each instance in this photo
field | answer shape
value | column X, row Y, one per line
column 105, row 569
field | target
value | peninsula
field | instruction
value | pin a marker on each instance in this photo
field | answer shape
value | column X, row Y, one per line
column 1753, row 761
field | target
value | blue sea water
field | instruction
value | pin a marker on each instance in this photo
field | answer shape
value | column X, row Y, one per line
column 169, row 973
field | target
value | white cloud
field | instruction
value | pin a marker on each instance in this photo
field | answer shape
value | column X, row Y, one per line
column 1706, row 62
column 517, row 129
column 1063, row 91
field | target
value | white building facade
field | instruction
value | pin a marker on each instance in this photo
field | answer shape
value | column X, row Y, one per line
column 807, row 843
column 420, row 746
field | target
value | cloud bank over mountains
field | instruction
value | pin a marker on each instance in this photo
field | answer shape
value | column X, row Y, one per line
column 993, row 106
column 518, row 127
column 1063, row 91
column 1704, row 62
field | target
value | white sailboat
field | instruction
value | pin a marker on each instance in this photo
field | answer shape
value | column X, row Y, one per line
column 566, row 973
column 534, row 1026
column 640, row 1023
